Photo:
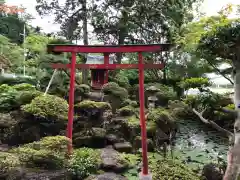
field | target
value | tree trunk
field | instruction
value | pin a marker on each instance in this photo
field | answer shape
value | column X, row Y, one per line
column 85, row 72
column 232, row 172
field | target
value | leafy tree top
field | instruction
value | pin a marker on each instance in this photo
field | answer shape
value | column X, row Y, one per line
column 223, row 41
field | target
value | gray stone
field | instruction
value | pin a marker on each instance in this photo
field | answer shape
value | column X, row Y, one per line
column 107, row 176
column 110, row 161
column 123, row 147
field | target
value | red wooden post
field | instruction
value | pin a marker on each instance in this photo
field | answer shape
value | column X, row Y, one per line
column 106, row 50
column 71, row 101
column 142, row 114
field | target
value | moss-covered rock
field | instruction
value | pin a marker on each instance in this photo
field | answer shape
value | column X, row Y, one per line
column 129, row 102
column 161, row 168
column 53, row 143
column 48, row 153
column 89, row 105
column 115, row 90
column 84, row 162
column 170, row 170
column 163, row 119
column 47, row 107
column 126, row 111
column 138, row 143
column 134, row 124
column 82, row 90
column 165, row 94
column 40, row 158
column 113, row 161
column 93, row 138
column 180, row 110
column 8, row 162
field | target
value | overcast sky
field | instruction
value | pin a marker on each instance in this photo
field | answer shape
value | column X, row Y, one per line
column 210, row 7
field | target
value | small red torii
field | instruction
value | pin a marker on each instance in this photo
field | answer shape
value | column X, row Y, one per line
column 106, row 50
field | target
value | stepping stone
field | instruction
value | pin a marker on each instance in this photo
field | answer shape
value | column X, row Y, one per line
column 110, row 161
column 107, row 176
column 123, row 147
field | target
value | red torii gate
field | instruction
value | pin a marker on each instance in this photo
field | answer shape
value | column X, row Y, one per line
column 106, row 50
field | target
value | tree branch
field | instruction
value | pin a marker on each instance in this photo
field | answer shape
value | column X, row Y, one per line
column 220, row 72
column 213, row 124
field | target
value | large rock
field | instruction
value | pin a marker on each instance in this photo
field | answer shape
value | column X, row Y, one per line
column 138, row 144
column 30, row 174
column 107, row 176
column 123, row 147
column 112, row 162
column 211, row 172
column 92, row 138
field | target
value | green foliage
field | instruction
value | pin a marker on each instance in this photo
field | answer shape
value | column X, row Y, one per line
column 170, row 170
column 48, row 106
column 122, row 80
column 8, row 98
column 8, row 161
column 84, row 162
column 165, row 94
column 222, row 40
column 17, row 80
column 160, row 114
column 12, row 97
column 130, row 103
column 11, row 27
column 93, row 105
column 180, row 110
column 115, row 90
column 52, row 143
column 126, row 111
column 190, row 100
column 82, row 89
column 230, row 106
column 40, row 158
column 195, row 83
column 48, row 153
column 24, row 87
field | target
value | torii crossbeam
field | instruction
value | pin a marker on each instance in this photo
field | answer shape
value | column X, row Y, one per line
column 106, row 50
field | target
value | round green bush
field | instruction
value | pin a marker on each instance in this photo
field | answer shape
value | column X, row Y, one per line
column 84, row 162
column 47, row 106
column 115, row 90
column 82, row 89
column 24, row 87
column 87, row 104
column 171, row 170
column 126, row 111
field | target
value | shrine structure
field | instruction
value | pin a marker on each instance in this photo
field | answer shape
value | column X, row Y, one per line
column 106, row 50
column 99, row 77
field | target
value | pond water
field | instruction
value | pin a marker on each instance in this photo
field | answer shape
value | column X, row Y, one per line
column 197, row 144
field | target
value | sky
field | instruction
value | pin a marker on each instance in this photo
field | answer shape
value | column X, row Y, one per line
column 209, row 7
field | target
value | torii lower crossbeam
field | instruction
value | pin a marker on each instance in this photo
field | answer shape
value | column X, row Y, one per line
column 106, row 50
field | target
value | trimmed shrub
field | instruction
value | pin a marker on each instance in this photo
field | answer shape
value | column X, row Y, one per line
column 93, row 105
column 115, row 90
column 84, row 162
column 126, row 111
column 82, row 89
column 48, row 106
column 48, row 153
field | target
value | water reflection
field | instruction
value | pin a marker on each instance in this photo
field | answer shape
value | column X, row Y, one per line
column 198, row 144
